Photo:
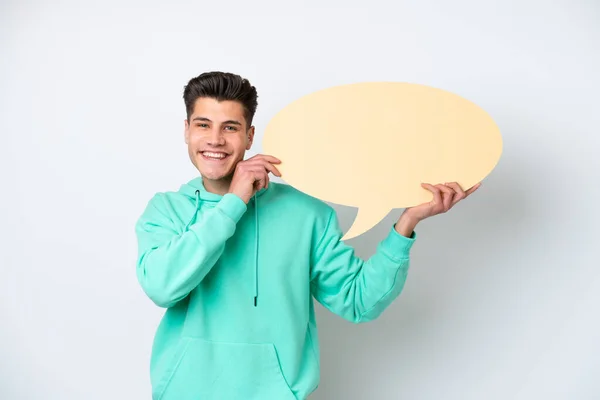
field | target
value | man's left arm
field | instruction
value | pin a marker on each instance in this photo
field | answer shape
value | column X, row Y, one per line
column 360, row 290
column 351, row 287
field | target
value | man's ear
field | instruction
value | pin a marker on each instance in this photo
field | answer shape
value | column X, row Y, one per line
column 250, row 137
column 186, row 132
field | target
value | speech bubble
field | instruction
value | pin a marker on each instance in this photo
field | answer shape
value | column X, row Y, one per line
column 370, row 145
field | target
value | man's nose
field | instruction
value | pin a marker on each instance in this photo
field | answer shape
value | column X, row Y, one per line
column 216, row 138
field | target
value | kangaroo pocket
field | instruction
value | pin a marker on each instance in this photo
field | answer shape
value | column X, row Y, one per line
column 208, row 370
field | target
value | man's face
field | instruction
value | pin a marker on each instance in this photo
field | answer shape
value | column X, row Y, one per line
column 217, row 137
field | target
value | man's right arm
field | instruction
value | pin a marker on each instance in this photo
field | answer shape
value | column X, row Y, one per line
column 170, row 264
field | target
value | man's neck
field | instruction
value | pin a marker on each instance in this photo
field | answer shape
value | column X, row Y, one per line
column 220, row 187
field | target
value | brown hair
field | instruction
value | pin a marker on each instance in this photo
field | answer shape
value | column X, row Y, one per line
column 221, row 86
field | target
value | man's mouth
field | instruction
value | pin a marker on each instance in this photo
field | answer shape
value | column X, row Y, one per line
column 210, row 155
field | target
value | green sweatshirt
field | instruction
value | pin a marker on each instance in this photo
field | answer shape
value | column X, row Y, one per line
column 238, row 280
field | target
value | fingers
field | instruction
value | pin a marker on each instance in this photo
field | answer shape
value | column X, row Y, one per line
column 447, row 196
column 273, row 169
column 459, row 193
column 265, row 163
column 473, row 189
column 442, row 197
column 462, row 194
column 437, row 195
column 260, row 176
column 271, row 159
column 261, row 181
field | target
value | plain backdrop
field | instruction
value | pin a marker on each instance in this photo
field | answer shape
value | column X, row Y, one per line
column 503, row 295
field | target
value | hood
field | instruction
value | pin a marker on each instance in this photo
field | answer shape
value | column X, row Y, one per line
column 196, row 192
column 190, row 188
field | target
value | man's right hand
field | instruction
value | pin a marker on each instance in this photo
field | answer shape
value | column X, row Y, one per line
column 252, row 175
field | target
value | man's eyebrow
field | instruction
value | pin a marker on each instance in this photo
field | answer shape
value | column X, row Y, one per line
column 201, row 119
column 231, row 121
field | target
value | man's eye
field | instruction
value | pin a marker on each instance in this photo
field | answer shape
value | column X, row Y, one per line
column 201, row 125
column 232, row 128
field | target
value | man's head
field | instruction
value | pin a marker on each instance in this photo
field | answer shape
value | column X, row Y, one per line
column 218, row 130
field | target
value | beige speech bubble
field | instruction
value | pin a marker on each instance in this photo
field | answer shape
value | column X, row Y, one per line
column 370, row 145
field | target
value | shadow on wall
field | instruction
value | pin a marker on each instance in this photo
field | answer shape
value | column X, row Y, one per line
column 450, row 253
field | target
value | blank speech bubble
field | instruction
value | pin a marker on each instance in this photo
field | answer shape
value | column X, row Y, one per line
column 370, row 145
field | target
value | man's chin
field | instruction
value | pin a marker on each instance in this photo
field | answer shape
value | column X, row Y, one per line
column 216, row 176
column 214, row 172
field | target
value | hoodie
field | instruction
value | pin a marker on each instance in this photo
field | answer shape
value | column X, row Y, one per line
column 238, row 281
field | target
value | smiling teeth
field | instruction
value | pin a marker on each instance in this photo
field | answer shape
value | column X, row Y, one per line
column 214, row 155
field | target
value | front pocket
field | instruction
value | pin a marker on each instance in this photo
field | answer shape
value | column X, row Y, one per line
column 210, row 370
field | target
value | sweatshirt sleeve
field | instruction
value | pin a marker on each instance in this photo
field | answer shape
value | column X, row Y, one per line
column 351, row 287
column 171, row 264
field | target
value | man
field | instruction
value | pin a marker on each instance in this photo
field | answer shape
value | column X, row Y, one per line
column 236, row 261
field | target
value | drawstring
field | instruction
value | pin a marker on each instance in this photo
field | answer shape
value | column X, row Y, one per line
column 193, row 219
column 255, row 250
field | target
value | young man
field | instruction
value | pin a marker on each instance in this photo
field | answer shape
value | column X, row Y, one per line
column 236, row 261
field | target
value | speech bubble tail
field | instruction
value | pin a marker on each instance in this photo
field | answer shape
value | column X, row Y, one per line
column 365, row 220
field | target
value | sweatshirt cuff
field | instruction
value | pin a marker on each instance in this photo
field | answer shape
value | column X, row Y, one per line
column 397, row 245
column 232, row 206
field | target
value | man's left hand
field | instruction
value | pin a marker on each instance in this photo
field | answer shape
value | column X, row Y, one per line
column 445, row 197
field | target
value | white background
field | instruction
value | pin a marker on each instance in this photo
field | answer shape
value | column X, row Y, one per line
column 503, row 296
